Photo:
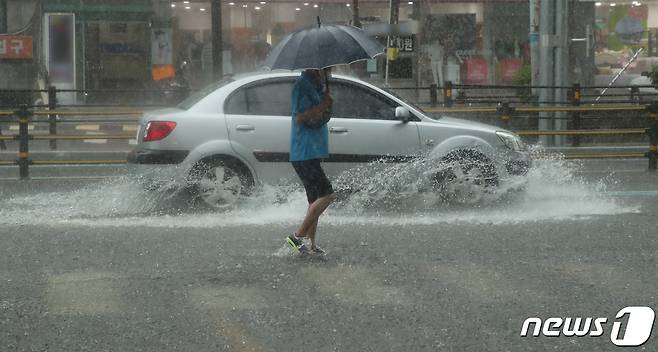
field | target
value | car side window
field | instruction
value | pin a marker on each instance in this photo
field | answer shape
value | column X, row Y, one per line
column 237, row 103
column 352, row 101
column 270, row 98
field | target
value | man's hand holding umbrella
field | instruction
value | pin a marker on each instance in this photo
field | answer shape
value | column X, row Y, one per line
column 319, row 115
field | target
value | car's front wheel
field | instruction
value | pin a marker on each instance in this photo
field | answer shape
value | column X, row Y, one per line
column 465, row 177
column 219, row 183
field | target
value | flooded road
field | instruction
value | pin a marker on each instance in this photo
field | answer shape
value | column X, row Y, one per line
column 93, row 264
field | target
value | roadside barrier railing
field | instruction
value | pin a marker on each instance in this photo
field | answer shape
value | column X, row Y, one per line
column 450, row 94
column 145, row 98
column 505, row 111
column 25, row 116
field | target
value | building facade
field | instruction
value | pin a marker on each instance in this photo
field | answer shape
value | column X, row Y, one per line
column 132, row 44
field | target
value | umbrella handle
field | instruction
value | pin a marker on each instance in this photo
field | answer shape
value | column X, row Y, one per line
column 326, row 79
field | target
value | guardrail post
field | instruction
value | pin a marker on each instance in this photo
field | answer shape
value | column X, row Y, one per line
column 23, row 150
column 650, row 43
column 433, row 95
column 505, row 111
column 635, row 94
column 461, row 97
column 3, row 146
column 447, row 94
column 52, row 118
column 575, row 115
column 652, row 131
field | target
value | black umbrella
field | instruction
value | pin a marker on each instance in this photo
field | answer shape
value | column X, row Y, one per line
column 321, row 47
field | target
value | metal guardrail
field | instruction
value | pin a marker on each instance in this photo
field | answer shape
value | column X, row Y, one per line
column 606, row 156
column 23, row 137
column 620, row 131
column 77, row 162
column 503, row 110
column 574, row 93
column 87, row 113
column 506, row 112
column 526, row 108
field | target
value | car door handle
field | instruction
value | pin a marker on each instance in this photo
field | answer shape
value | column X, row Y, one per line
column 338, row 130
column 245, row 128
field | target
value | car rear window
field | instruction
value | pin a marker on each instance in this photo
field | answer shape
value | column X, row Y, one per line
column 196, row 97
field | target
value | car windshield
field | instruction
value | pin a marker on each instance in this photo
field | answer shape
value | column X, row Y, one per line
column 197, row 96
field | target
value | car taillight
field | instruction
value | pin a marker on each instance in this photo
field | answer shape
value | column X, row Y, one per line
column 157, row 130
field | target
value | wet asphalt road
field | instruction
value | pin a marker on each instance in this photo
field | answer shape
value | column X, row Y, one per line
column 396, row 281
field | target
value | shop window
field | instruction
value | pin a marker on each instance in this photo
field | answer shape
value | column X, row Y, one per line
column 401, row 68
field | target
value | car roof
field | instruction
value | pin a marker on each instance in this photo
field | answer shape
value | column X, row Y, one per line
column 242, row 79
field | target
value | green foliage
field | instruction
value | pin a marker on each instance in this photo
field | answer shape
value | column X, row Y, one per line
column 523, row 77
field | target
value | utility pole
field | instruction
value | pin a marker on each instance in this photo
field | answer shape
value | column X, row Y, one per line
column 561, row 64
column 217, row 44
column 534, row 44
column 356, row 21
column 393, row 20
column 547, row 63
column 3, row 16
column 554, row 56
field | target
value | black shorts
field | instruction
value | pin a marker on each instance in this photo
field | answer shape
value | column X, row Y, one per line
column 315, row 182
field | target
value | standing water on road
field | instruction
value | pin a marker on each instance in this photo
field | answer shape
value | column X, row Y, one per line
column 390, row 195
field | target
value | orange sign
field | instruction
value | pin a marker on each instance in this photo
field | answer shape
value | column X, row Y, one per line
column 163, row 72
column 15, row 47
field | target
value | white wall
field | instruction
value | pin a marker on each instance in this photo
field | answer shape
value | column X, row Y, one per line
column 449, row 8
column 286, row 12
column 193, row 19
column 382, row 11
column 19, row 14
column 652, row 21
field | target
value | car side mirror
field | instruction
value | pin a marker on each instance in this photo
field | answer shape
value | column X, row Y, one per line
column 402, row 114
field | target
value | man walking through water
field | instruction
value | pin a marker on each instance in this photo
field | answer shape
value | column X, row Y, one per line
column 308, row 145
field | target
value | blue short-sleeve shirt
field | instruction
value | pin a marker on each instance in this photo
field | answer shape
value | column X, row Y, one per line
column 307, row 143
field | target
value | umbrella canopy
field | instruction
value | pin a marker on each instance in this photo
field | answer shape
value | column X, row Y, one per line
column 321, row 47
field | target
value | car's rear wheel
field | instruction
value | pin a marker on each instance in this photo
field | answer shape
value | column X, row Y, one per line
column 220, row 183
column 465, row 177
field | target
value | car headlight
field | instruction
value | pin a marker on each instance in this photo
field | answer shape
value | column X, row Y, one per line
column 511, row 140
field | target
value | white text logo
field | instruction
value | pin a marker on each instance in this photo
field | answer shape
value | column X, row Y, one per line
column 637, row 328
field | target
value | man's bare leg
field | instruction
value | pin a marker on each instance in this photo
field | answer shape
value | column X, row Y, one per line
column 311, row 233
column 314, row 211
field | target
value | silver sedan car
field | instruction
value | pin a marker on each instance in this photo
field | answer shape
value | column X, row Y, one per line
column 224, row 142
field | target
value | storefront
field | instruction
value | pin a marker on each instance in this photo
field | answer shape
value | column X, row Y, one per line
column 621, row 29
column 109, row 43
column 123, row 43
column 441, row 40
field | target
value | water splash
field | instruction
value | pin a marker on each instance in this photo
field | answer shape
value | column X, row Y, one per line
column 391, row 194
